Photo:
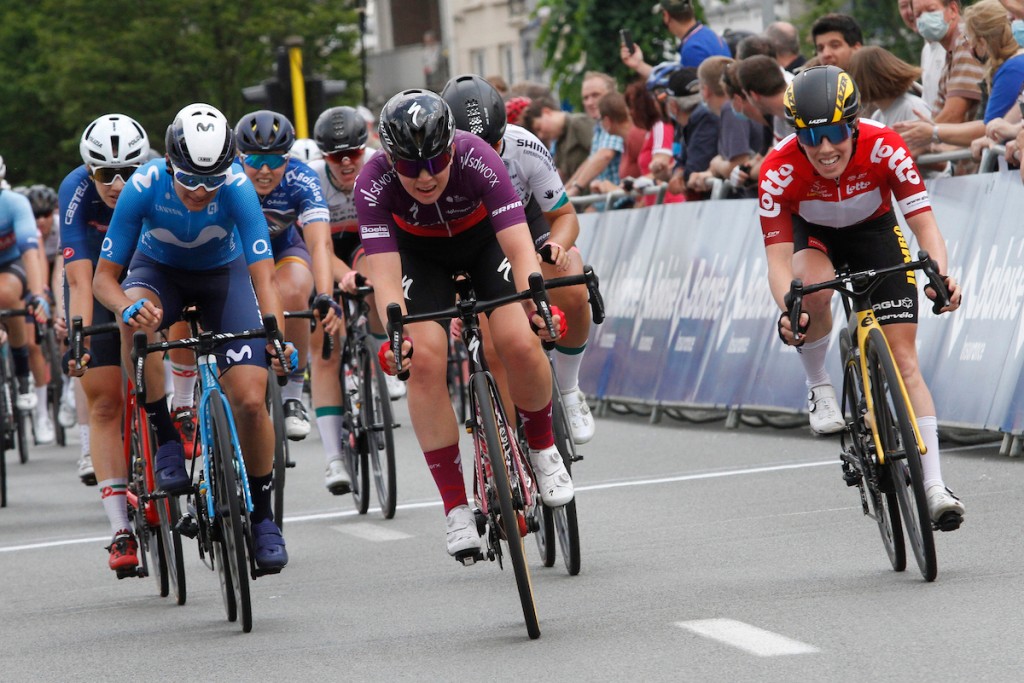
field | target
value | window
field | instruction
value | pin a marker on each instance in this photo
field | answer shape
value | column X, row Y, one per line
column 507, row 54
column 478, row 60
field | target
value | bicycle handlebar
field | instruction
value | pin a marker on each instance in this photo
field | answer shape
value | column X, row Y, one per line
column 77, row 334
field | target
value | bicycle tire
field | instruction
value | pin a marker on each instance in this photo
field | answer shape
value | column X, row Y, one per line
column 902, row 456
column 6, row 417
column 381, row 441
column 276, row 409
column 883, row 504
column 23, row 426
column 357, row 453
column 55, row 389
column 564, row 520
column 169, row 510
column 458, row 390
column 228, row 495
column 488, row 426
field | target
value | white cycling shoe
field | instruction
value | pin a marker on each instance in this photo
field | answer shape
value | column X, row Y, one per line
column 553, row 481
column 945, row 509
column 396, row 387
column 825, row 414
column 581, row 422
column 462, row 534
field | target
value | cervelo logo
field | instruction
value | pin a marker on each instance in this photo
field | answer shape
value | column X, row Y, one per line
column 507, row 207
column 899, row 161
column 776, row 180
column 857, row 187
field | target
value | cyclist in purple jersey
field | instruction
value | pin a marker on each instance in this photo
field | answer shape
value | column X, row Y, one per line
column 440, row 201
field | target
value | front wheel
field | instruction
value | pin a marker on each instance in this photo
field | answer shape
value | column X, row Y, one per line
column 497, row 455
column 356, row 447
column 564, row 518
column 276, row 410
column 381, row 441
column 896, row 433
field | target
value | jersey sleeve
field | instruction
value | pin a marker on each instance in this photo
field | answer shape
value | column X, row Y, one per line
column 312, row 203
column 249, row 219
column 773, row 209
column 375, row 185
column 125, row 224
column 25, row 231
column 488, row 179
column 889, row 152
column 545, row 184
column 73, row 226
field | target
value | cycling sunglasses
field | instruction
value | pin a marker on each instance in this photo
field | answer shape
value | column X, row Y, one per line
column 434, row 165
column 108, row 174
column 258, row 161
column 352, row 155
column 194, row 182
column 834, row 133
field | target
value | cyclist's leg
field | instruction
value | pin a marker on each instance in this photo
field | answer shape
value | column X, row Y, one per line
column 294, row 281
column 573, row 301
column 42, row 425
column 12, row 290
column 183, row 378
column 328, row 408
column 495, row 365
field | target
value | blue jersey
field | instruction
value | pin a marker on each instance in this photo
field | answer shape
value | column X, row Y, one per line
column 699, row 43
column 18, row 231
column 84, row 217
column 297, row 200
column 150, row 215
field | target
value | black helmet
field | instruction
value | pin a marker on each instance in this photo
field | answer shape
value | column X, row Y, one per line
column 820, row 96
column 264, row 131
column 199, row 141
column 477, row 107
column 339, row 129
column 416, row 124
column 42, row 198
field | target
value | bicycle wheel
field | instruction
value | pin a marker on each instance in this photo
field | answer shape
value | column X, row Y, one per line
column 280, row 446
column 140, row 486
column 902, row 456
column 496, row 453
column 23, row 423
column 564, row 518
column 355, row 447
column 879, row 496
column 457, row 387
column 228, row 497
column 55, row 389
column 6, row 425
column 381, row 439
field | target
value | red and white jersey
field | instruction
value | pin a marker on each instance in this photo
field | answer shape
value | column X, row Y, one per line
column 881, row 167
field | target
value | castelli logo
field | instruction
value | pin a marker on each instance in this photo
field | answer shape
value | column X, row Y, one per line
column 68, row 253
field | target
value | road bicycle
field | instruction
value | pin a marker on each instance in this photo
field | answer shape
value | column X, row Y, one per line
column 881, row 444
column 55, row 387
column 219, row 505
column 152, row 513
column 14, row 422
column 504, row 486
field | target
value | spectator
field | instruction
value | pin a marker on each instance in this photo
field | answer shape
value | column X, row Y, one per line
column 754, row 45
column 514, row 108
column 372, row 136
column 697, row 41
column 738, row 96
column 784, row 37
column 605, row 148
column 655, row 158
column 500, row 84
column 696, row 140
column 435, row 62
column 733, row 39
column 933, row 59
column 836, row 37
column 614, row 118
column 990, row 38
column 568, row 135
column 765, row 83
column 739, row 138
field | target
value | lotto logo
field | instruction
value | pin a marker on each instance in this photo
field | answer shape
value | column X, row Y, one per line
column 857, row 187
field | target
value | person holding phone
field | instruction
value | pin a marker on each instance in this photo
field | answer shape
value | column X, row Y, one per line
column 697, row 41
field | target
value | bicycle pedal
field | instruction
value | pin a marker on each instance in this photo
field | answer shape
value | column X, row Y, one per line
column 266, row 572
column 187, row 526
column 577, row 457
column 950, row 521
column 851, row 478
column 289, row 462
column 469, row 557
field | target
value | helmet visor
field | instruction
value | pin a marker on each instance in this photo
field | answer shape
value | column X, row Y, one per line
column 352, row 155
column 194, row 182
column 834, row 133
column 108, row 174
column 434, row 165
column 271, row 161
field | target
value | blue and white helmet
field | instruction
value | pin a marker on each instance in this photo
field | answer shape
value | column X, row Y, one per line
column 200, row 141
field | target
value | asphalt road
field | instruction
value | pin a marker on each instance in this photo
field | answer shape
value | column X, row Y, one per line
column 709, row 554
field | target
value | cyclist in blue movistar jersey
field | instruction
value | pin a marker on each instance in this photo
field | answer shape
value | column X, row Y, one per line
column 22, row 282
column 201, row 236
column 112, row 148
column 479, row 109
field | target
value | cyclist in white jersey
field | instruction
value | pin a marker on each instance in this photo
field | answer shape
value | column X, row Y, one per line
column 479, row 109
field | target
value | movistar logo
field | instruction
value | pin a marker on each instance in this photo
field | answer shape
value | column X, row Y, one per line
column 204, row 127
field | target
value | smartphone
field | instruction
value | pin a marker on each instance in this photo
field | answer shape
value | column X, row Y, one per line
column 627, row 39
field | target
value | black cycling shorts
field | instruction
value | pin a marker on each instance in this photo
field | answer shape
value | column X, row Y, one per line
column 347, row 247
column 875, row 243
column 428, row 264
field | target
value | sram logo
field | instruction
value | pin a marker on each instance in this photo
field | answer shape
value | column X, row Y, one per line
column 899, row 161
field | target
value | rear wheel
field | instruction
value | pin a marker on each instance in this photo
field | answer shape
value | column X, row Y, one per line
column 381, row 440
column 23, row 421
column 56, row 387
column 496, row 453
column 564, row 518
column 169, row 510
column 902, row 456
column 280, row 446
column 227, row 501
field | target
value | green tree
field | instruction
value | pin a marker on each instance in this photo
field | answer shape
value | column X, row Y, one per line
column 65, row 62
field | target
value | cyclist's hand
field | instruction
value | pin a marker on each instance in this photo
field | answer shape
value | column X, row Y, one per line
column 60, row 329
column 39, row 308
column 332, row 322
column 141, row 314
column 348, row 282
column 786, row 329
column 955, row 293
column 559, row 255
column 290, row 353
column 72, row 368
column 387, row 359
column 455, row 329
column 541, row 330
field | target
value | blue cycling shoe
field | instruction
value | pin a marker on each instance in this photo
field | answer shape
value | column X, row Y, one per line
column 268, row 546
column 171, row 476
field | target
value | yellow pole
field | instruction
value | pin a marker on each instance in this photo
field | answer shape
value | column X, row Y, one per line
column 298, row 89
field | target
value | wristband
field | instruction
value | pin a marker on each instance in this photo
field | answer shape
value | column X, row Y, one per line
column 131, row 311
column 935, row 134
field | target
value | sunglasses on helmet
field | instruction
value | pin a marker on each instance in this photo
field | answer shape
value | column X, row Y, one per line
column 258, row 161
column 834, row 133
column 352, row 155
column 194, row 182
column 108, row 174
column 411, row 168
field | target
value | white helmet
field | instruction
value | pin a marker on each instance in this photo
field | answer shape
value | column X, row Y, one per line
column 200, row 142
column 114, row 140
column 306, row 150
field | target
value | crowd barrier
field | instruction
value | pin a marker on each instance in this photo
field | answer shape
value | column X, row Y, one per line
column 690, row 321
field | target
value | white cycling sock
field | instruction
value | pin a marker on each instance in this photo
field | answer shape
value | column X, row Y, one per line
column 183, row 377
column 83, row 437
column 567, row 367
column 293, row 389
column 41, row 403
column 113, row 493
column 330, row 422
column 812, row 355
column 930, row 465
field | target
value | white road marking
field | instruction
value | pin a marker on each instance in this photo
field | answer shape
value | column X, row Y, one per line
column 370, row 532
column 749, row 638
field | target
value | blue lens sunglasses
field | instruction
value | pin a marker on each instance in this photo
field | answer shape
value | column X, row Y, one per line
column 194, row 182
column 834, row 133
column 258, row 161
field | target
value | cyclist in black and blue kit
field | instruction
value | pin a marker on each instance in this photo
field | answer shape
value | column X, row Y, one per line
column 201, row 236
column 112, row 148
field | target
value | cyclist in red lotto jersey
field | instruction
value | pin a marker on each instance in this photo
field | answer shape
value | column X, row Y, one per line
column 826, row 200
column 439, row 201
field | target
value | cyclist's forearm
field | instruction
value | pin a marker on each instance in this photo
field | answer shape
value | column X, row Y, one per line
column 35, row 274
column 517, row 245
column 262, row 275
column 106, row 288
column 318, row 239
column 780, row 270
column 926, row 230
column 385, row 271
column 565, row 226
column 79, row 277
